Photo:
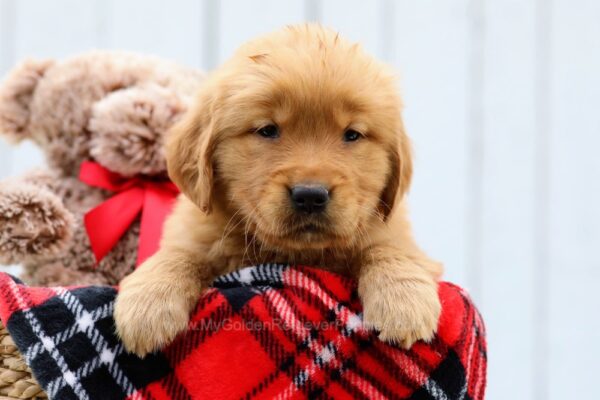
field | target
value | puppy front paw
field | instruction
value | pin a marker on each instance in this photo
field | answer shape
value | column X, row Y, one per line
column 148, row 316
column 402, row 312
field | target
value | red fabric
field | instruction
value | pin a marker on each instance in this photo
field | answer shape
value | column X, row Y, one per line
column 10, row 301
column 262, row 350
column 269, row 331
column 106, row 223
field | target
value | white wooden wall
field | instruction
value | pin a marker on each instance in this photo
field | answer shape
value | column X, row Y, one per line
column 503, row 100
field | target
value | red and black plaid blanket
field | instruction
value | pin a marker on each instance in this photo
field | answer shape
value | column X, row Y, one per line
column 270, row 331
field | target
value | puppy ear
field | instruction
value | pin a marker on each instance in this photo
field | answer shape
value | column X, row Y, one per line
column 401, row 169
column 189, row 150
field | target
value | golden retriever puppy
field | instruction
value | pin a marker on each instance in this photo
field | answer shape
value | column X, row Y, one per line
column 296, row 153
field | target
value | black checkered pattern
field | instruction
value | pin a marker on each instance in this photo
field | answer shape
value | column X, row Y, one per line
column 270, row 331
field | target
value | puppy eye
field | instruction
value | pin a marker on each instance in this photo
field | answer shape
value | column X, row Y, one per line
column 351, row 135
column 269, row 132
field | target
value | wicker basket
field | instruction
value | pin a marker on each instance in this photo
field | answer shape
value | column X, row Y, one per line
column 16, row 380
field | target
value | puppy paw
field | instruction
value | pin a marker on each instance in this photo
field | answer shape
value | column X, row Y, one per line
column 148, row 316
column 402, row 312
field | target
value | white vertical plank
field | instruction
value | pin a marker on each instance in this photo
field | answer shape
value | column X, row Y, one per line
column 7, row 34
column 508, row 201
column 56, row 28
column 6, row 59
column 240, row 20
column 543, row 49
column 358, row 20
column 210, row 34
column 574, row 199
column 170, row 29
column 430, row 51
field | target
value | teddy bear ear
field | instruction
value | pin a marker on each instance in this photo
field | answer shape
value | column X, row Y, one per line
column 128, row 128
column 16, row 95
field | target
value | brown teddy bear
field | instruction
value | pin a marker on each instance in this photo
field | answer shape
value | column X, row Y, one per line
column 107, row 109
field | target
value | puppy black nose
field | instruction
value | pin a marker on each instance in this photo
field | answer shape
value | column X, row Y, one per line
column 309, row 198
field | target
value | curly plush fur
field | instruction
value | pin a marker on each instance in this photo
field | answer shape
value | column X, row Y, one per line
column 23, row 206
column 110, row 107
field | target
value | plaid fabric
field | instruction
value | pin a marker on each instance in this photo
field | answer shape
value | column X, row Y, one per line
column 270, row 331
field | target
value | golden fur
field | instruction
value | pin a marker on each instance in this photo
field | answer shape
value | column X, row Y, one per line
column 235, row 208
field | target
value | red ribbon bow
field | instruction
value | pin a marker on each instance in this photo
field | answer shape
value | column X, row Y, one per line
column 106, row 223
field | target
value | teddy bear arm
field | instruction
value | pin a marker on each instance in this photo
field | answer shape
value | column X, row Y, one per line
column 34, row 223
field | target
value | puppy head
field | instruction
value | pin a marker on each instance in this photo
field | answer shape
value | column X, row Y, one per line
column 300, row 134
